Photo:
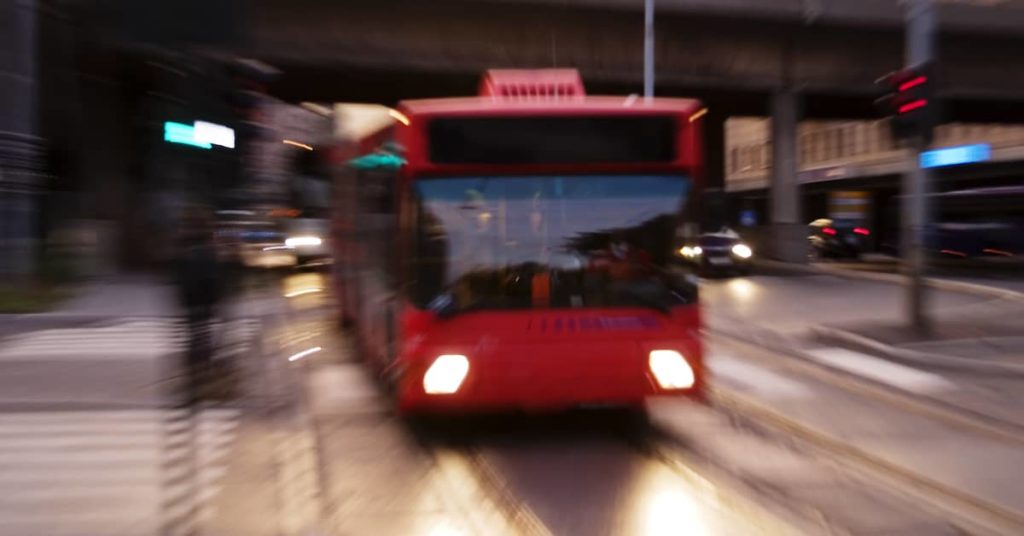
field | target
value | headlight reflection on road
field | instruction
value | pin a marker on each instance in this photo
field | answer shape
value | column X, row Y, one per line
column 444, row 529
column 304, row 353
column 302, row 292
column 742, row 290
column 668, row 507
column 673, row 512
column 302, row 284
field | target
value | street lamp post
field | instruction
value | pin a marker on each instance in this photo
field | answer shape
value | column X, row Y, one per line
column 648, row 49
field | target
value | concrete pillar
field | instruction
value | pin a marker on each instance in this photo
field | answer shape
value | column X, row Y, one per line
column 20, row 147
column 788, row 231
column 715, row 212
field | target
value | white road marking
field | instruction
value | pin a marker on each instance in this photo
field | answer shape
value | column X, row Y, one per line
column 106, row 472
column 759, row 379
column 139, row 339
column 882, row 370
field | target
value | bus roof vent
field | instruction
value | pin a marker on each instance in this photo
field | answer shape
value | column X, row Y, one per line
column 536, row 84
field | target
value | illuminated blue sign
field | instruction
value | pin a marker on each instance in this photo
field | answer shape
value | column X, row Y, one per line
column 952, row 156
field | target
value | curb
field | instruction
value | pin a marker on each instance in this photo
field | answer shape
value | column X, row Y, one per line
column 912, row 356
column 896, row 279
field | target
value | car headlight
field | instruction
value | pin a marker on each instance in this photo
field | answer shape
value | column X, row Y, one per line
column 296, row 241
column 670, row 369
column 445, row 374
column 690, row 251
column 742, row 251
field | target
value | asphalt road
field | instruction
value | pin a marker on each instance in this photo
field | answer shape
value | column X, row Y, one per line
column 86, row 396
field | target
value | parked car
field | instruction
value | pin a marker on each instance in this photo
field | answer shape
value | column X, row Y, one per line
column 834, row 240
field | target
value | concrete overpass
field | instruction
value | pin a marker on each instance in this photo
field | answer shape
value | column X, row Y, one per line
column 783, row 58
column 733, row 53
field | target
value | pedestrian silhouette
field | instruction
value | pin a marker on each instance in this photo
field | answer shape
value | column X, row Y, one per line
column 200, row 285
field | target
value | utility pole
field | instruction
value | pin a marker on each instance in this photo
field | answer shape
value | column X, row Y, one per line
column 648, row 49
column 920, row 50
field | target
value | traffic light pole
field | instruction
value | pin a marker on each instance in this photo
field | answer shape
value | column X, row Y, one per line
column 914, row 209
column 921, row 24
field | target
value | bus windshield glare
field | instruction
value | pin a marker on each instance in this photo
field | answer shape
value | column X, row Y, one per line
column 548, row 241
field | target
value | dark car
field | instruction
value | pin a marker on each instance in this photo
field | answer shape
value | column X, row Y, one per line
column 832, row 240
column 720, row 252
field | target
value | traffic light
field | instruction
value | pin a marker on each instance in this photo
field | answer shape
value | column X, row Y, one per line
column 909, row 102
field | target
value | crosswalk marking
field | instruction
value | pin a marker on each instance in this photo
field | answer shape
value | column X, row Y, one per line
column 881, row 370
column 106, row 472
column 756, row 378
column 137, row 339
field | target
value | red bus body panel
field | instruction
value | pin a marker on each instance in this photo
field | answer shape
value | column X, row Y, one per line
column 547, row 359
column 413, row 137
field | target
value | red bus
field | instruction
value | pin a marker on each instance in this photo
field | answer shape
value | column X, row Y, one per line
column 520, row 251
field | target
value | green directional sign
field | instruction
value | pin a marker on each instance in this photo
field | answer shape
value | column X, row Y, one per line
column 382, row 161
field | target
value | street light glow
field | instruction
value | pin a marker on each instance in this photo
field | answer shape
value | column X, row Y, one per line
column 297, row 144
column 399, row 116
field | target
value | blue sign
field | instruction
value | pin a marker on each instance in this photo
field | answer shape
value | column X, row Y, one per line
column 748, row 218
column 952, row 156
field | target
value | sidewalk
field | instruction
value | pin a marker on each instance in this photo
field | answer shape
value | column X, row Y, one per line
column 129, row 296
column 94, row 373
column 991, row 339
column 978, row 345
column 988, row 334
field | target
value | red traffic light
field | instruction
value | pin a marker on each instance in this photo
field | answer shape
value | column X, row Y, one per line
column 912, row 83
column 909, row 101
column 911, row 106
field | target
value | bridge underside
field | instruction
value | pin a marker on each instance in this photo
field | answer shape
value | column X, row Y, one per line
column 384, row 52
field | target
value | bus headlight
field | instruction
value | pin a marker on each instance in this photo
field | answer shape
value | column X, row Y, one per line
column 670, row 369
column 297, row 241
column 445, row 374
column 742, row 251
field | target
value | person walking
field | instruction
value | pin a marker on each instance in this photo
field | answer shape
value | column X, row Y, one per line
column 200, row 276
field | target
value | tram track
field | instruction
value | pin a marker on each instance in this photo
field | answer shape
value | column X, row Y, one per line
column 957, row 415
column 973, row 513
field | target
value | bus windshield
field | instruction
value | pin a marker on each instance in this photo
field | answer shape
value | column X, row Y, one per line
column 548, row 241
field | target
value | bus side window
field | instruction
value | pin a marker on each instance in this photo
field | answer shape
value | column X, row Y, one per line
column 378, row 191
column 378, row 222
